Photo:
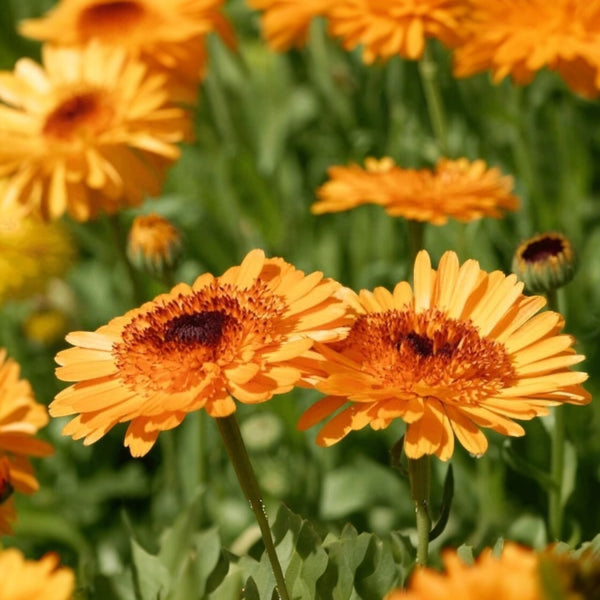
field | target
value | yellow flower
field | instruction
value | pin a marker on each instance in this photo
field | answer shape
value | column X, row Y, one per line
column 521, row 38
column 20, row 419
column 457, row 189
column 91, row 131
column 386, row 28
column 285, row 23
column 460, row 350
column 510, row 576
column 169, row 35
column 42, row 579
column 153, row 243
column 32, row 252
column 242, row 335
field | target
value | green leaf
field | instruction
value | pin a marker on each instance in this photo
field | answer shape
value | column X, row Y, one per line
column 151, row 577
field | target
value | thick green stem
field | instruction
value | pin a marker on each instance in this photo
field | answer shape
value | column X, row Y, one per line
column 416, row 238
column 236, row 449
column 433, row 98
column 555, row 500
column 419, row 476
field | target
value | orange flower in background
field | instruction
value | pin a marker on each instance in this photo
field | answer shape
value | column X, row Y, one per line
column 91, row 131
column 170, row 35
column 511, row 575
column 42, row 579
column 153, row 243
column 21, row 417
column 395, row 27
column 521, row 38
column 285, row 23
column 460, row 350
column 242, row 335
column 458, row 189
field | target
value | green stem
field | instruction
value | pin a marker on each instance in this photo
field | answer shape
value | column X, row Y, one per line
column 419, row 476
column 416, row 237
column 557, row 459
column 236, row 449
column 433, row 98
column 138, row 294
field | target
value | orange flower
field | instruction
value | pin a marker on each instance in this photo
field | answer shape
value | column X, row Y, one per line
column 456, row 189
column 286, row 23
column 244, row 335
column 169, row 35
column 513, row 574
column 92, row 131
column 386, row 28
column 153, row 243
column 462, row 349
column 20, row 419
column 42, row 579
column 520, row 38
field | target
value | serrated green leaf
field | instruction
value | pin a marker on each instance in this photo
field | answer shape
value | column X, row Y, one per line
column 152, row 579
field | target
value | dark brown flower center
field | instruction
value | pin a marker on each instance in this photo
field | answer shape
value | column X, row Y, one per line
column 542, row 249
column 80, row 113
column 6, row 490
column 205, row 328
column 109, row 20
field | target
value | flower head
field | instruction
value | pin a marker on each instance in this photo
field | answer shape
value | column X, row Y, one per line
column 521, row 38
column 386, row 28
column 545, row 262
column 42, row 579
column 91, row 131
column 460, row 350
column 513, row 574
column 457, row 189
column 153, row 243
column 20, row 419
column 32, row 252
column 169, row 35
column 242, row 335
column 285, row 23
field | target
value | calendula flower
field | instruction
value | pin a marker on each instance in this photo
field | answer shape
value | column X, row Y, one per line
column 458, row 189
column 169, row 35
column 91, row 131
column 8, row 513
column 460, row 350
column 42, row 579
column 395, row 27
column 545, row 262
column 521, row 38
column 285, row 23
column 513, row 574
column 154, row 243
column 21, row 417
column 32, row 252
column 242, row 335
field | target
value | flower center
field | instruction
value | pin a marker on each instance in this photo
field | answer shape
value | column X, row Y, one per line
column 110, row 20
column 428, row 353
column 542, row 249
column 205, row 328
column 81, row 113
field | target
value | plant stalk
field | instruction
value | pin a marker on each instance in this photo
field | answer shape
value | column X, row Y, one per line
column 419, row 476
column 236, row 449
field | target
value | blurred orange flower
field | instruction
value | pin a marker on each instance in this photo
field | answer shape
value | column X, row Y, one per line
column 460, row 350
column 42, row 579
column 513, row 574
column 242, row 335
column 457, row 189
column 169, row 35
column 521, row 38
column 285, row 23
column 91, row 131
column 20, row 419
column 395, row 27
